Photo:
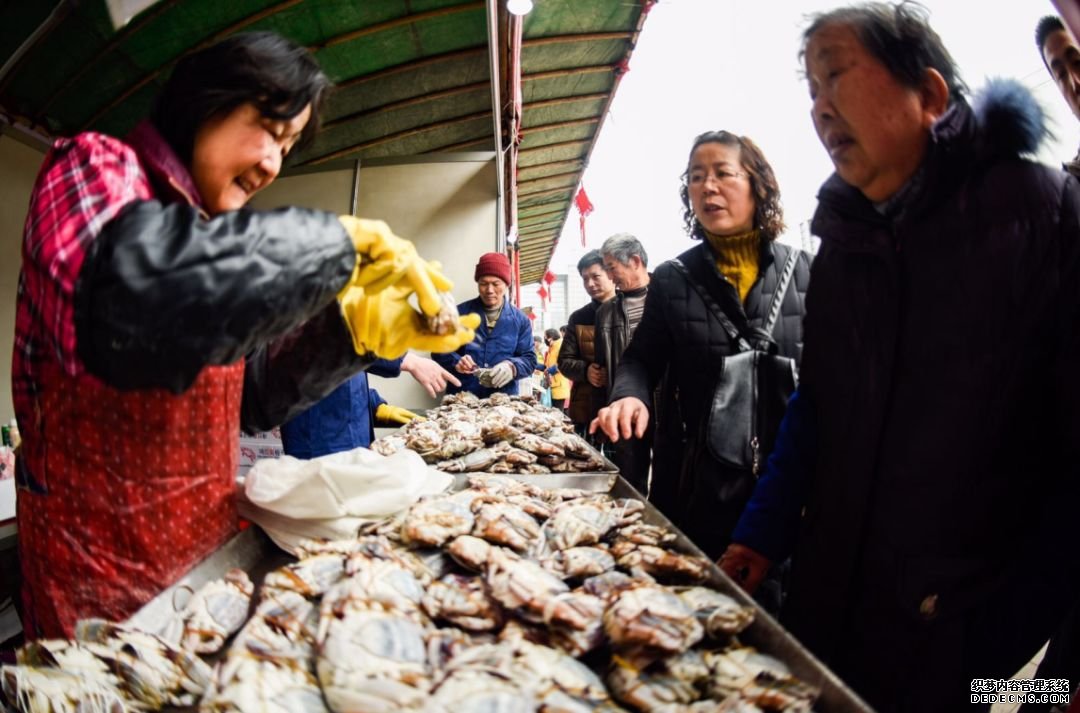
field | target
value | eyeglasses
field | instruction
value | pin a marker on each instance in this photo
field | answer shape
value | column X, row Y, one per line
column 722, row 175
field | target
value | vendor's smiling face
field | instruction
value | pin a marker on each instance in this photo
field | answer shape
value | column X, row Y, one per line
column 239, row 154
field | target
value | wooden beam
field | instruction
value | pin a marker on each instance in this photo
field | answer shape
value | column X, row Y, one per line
column 396, row 136
column 399, row 22
column 402, row 104
column 221, row 34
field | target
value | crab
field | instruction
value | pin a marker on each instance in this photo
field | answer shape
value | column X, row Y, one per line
column 580, row 562
column 475, row 461
column 373, row 660
column 469, row 551
column 649, row 615
column 434, row 521
column 462, row 601
column 721, row 615
column 213, row 613
column 283, row 626
column 503, row 523
column 521, row 585
column 757, row 678
column 52, row 690
column 537, row 445
column 311, row 576
column 389, row 444
column 152, row 671
column 578, row 522
column 662, row 563
column 246, row 681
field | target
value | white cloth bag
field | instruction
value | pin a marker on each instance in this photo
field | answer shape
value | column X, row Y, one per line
column 332, row 496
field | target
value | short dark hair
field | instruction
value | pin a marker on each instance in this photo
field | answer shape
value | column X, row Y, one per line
column 551, row 333
column 1046, row 27
column 900, row 37
column 589, row 259
column 768, row 213
column 276, row 75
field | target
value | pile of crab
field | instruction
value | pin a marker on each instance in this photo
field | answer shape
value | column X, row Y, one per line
column 500, row 434
column 501, row 597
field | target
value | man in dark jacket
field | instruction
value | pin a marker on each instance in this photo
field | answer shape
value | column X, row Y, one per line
column 346, row 418
column 1061, row 55
column 502, row 352
column 577, row 358
column 925, row 474
column 626, row 262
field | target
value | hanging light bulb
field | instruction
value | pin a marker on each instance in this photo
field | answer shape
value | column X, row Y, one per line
column 519, row 7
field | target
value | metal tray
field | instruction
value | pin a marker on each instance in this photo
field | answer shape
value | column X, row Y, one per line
column 252, row 551
column 765, row 634
column 596, row 482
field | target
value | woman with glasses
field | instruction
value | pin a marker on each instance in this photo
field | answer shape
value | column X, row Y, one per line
column 732, row 205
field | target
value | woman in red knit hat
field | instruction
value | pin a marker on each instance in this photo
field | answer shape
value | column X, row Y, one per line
column 502, row 352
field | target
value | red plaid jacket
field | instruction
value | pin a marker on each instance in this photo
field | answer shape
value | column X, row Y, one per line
column 146, row 332
column 118, row 492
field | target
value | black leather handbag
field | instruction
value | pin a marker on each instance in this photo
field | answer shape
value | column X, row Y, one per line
column 754, row 384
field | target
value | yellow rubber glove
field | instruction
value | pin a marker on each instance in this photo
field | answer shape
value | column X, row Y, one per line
column 385, row 259
column 385, row 324
column 395, row 414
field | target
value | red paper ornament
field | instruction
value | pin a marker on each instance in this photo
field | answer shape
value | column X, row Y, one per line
column 585, row 207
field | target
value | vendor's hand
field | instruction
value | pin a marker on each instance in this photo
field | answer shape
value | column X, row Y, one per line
column 384, row 259
column 502, row 374
column 597, row 375
column 744, row 565
column 385, row 324
column 465, row 365
column 624, row 418
column 395, row 414
column 428, row 374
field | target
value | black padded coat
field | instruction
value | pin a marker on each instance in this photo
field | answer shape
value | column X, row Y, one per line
column 678, row 335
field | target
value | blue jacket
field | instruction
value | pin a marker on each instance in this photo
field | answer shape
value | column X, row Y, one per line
column 343, row 420
column 510, row 339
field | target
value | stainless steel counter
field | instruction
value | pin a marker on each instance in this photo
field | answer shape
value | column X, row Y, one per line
column 253, row 552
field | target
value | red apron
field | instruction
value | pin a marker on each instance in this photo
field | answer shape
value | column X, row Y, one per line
column 120, row 493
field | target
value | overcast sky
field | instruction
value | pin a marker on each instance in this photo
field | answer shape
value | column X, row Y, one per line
column 732, row 64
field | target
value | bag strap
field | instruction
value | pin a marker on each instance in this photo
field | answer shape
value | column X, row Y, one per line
column 733, row 332
column 781, row 290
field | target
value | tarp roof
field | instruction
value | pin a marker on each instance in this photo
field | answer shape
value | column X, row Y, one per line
column 413, row 77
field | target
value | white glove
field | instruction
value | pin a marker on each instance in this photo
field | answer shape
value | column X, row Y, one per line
column 502, row 374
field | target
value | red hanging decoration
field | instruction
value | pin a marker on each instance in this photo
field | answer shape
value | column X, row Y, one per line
column 543, row 296
column 585, row 207
column 549, row 277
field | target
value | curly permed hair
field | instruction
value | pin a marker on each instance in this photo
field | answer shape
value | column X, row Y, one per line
column 768, row 213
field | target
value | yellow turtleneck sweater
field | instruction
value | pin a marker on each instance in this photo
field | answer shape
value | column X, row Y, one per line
column 737, row 258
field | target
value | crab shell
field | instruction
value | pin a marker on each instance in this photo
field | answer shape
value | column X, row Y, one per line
column 373, row 660
column 521, row 585
column 433, row 522
column 462, row 601
column 721, row 615
column 652, row 616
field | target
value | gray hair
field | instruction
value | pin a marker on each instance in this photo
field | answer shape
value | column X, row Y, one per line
column 623, row 246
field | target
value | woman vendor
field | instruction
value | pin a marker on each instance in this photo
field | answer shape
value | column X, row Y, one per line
column 156, row 318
